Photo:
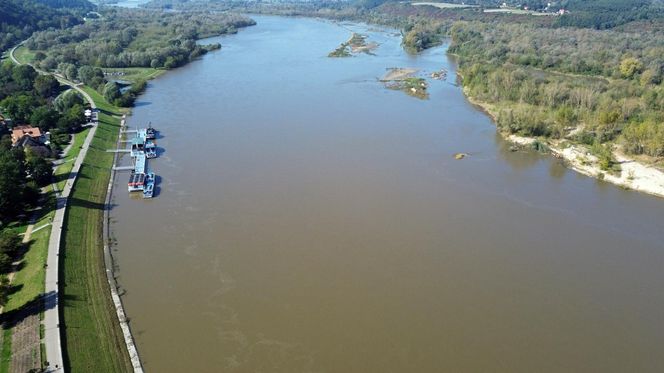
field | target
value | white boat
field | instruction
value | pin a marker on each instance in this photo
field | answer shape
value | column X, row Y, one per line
column 148, row 190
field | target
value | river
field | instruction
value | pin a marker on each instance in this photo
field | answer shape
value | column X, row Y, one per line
column 308, row 219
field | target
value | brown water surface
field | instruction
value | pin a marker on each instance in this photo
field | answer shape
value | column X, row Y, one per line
column 307, row 219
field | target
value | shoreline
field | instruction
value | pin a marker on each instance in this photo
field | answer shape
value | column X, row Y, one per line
column 634, row 175
column 109, row 263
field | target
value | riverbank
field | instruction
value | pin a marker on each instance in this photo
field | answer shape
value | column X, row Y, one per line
column 93, row 339
column 633, row 174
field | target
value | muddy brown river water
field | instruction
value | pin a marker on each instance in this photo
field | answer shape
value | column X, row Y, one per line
column 309, row 220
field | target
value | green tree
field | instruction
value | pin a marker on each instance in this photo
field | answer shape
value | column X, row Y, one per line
column 41, row 170
column 46, row 86
column 24, row 76
column 87, row 74
column 19, row 107
column 629, row 67
column 12, row 182
column 72, row 118
column 44, row 117
column 10, row 243
column 67, row 99
column 111, row 91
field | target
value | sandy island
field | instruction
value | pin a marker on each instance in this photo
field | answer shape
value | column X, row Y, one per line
column 355, row 44
column 403, row 79
column 398, row 73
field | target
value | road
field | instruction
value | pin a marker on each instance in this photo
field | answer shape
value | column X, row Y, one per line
column 52, row 333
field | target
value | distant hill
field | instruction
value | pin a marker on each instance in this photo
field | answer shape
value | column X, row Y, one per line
column 69, row 4
column 598, row 14
column 606, row 14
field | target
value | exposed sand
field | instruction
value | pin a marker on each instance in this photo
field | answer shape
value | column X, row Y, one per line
column 367, row 48
column 398, row 73
column 633, row 175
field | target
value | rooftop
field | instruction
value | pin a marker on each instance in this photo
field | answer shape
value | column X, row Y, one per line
column 19, row 132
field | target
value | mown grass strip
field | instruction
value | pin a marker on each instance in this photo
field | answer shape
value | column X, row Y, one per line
column 92, row 340
column 133, row 74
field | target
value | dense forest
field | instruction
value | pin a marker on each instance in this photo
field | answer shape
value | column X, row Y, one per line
column 129, row 38
column 134, row 38
column 20, row 18
column 597, row 86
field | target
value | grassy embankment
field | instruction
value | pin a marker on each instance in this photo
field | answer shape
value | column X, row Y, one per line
column 62, row 172
column 134, row 74
column 92, row 340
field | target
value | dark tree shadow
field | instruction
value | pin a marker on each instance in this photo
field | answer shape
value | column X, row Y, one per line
column 63, row 177
column 33, row 307
column 86, row 204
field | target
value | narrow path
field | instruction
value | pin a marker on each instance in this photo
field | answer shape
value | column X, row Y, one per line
column 11, row 53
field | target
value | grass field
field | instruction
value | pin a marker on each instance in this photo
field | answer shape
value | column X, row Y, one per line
column 445, row 5
column 24, row 55
column 63, row 169
column 133, row 74
column 93, row 341
column 517, row 11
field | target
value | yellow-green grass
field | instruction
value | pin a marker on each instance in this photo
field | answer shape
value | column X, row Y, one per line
column 444, row 5
column 133, row 74
column 93, row 340
column 61, row 173
column 24, row 55
column 516, row 11
column 105, row 106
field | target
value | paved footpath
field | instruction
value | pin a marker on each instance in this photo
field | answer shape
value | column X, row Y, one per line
column 52, row 340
